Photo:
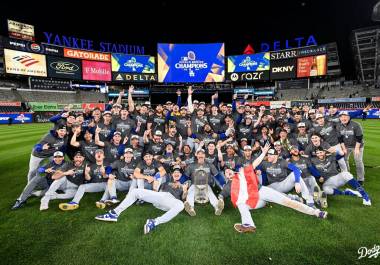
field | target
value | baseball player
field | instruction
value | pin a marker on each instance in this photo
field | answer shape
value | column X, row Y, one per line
column 87, row 147
column 122, row 178
column 147, row 171
column 351, row 138
column 43, row 179
column 168, row 199
column 275, row 173
column 68, row 178
column 331, row 179
column 247, row 194
column 53, row 141
column 191, row 171
column 97, row 174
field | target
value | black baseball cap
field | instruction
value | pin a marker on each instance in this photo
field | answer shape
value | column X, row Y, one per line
column 78, row 153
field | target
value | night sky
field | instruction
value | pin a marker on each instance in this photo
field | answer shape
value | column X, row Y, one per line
column 236, row 23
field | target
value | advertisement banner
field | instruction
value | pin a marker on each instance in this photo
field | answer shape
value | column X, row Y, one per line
column 279, row 104
column 33, row 47
column 375, row 98
column 312, row 66
column 53, row 84
column 44, row 106
column 73, row 106
column 196, row 63
column 300, row 103
column 301, row 52
column 372, row 113
column 24, row 63
column 248, row 63
column 16, row 118
column 101, row 106
column 254, row 76
column 341, row 100
column 64, row 67
column 138, row 78
column 312, row 50
column 87, row 55
column 283, row 69
column 259, row 103
column 124, row 63
column 96, row 71
column 20, row 30
column 10, row 104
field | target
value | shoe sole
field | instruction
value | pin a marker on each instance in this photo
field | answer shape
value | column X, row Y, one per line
column 323, row 200
column 146, row 228
column 106, row 220
column 44, row 209
column 316, row 195
column 68, row 207
column 219, row 207
column 241, row 231
column 100, row 205
column 189, row 209
column 367, row 203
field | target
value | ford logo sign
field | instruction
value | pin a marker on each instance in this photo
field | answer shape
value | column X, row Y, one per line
column 64, row 67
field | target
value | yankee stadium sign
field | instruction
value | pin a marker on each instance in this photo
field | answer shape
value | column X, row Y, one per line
column 85, row 44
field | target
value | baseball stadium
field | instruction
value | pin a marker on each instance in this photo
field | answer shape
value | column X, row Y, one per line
column 174, row 132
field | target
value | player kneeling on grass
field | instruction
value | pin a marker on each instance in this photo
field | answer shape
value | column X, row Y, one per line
column 200, row 191
column 66, row 179
column 42, row 179
column 97, row 174
column 247, row 193
column 331, row 179
column 167, row 199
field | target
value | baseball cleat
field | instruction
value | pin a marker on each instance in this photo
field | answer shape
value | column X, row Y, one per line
column 149, row 226
column 111, row 202
column 352, row 193
column 111, row 216
column 244, row 228
column 68, row 206
column 18, row 204
column 323, row 200
column 100, row 204
column 44, row 203
column 316, row 194
column 322, row 215
column 367, row 202
column 190, row 210
column 219, row 207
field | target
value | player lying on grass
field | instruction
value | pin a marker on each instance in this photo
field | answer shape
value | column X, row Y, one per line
column 169, row 199
column 247, row 194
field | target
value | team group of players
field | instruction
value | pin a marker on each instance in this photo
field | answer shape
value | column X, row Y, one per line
column 247, row 154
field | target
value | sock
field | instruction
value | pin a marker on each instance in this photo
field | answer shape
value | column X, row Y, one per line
column 338, row 192
column 355, row 184
column 114, row 213
column 349, row 193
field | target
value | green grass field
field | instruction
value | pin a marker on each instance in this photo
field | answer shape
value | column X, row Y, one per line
column 283, row 236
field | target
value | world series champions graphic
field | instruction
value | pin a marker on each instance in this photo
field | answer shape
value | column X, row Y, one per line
column 191, row 62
